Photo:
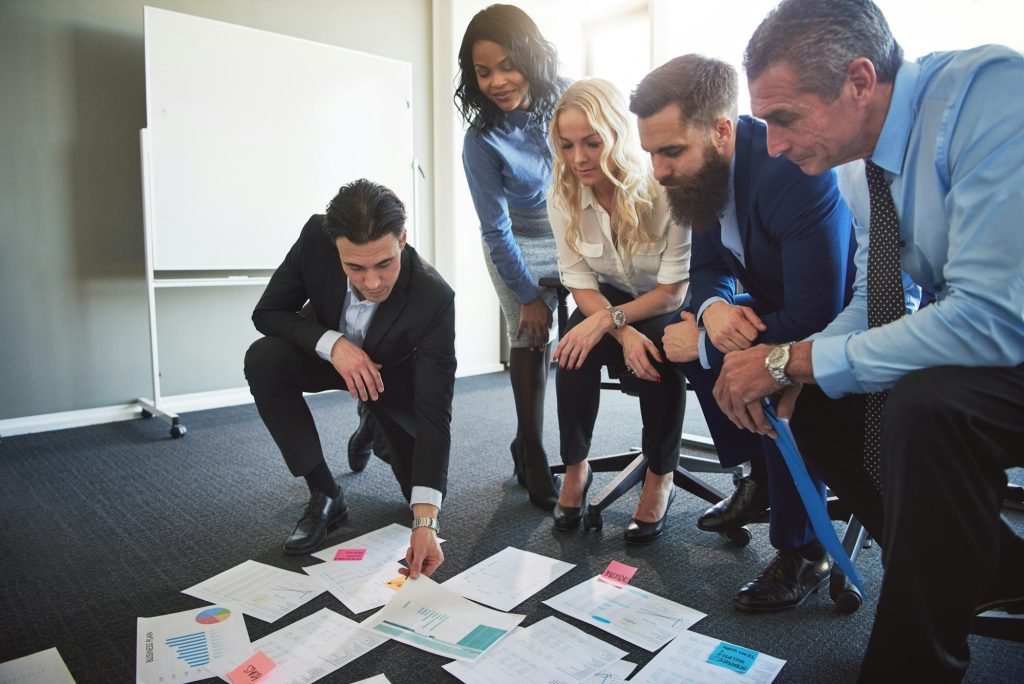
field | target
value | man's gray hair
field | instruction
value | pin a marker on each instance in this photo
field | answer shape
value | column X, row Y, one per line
column 819, row 39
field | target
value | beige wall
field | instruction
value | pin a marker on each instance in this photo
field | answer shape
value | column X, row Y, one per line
column 73, row 305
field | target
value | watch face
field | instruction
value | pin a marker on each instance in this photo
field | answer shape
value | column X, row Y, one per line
column 618, row 318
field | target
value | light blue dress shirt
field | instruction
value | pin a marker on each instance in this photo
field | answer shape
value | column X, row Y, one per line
column 356, row 316
column 953, row 146
column 508, row 166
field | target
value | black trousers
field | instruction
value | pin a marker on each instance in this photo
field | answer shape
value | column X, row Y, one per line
column 278, row 374
column 662, row 404
column 948, row 434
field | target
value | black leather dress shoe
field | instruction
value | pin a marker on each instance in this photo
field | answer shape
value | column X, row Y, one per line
column 321, row 514
column 567, row 518
column 748, row 500
column 360, row 442
column 786, row 582
column 638, row 532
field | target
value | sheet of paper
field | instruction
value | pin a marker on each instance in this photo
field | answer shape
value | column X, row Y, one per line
column 310, row 649
column 376, row 679
column 262, row 591
column 360, row 586
column 426, row 615
column 616, row 673
column 44, row 667
column 178, row 647
column 638, row 616
column 548, row 652
column 697, row 659
column 388, row 543
column 507, row 578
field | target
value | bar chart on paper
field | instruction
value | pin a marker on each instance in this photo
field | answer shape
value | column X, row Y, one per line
column 179, row 647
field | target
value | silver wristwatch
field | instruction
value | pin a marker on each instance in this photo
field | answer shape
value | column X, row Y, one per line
column 618, row 316
column 426, row 522
column 776, row 362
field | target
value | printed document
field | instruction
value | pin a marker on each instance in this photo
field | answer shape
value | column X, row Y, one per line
column 179, row 647
column 697, row 659
column 360, row 585
column 260, row 590
column 507, row 578
column 630, row 613
column 388, row 543
column 44, row 667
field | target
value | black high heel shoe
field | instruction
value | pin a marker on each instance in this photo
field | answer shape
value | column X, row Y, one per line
column 517, row 462
column 639, row 532
column 567, row 518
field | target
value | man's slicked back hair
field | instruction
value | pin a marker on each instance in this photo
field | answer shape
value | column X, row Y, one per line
column 705, row 89
column 364, row 211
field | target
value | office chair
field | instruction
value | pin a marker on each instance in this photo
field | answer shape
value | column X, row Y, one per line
column 631, row 467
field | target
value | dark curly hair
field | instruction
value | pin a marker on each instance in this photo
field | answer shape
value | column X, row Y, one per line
column 530, row 54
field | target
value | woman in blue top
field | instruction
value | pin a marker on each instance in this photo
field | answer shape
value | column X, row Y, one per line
column 507, row 90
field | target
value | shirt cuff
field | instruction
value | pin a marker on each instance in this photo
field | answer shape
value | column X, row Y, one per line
column 832, row 369
column 708, row 302
column 425, row 495
column 702, row 352
column 326, row 344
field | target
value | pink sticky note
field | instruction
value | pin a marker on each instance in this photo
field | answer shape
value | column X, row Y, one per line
column 618, row 574
column 252, row 669
column 350, row 554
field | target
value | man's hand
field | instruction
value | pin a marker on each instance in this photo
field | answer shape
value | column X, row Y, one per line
column 637, row 350
column 573, row 348
column 680, row 339
column 357, row 369
column 744, row 380
column 731, row 327
column 535, row 321
column 424, row 553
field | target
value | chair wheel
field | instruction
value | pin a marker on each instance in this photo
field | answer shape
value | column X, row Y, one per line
column 847, row 600
column 592, row 520
column 178, row 431
column 739, row 536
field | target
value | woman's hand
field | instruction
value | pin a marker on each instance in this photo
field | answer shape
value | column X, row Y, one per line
column 572, row 351
column 638, row 350
column 535, row 321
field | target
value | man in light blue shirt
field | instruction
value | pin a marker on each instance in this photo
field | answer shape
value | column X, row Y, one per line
column 830, row 81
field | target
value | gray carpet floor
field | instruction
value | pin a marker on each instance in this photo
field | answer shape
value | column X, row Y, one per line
column 108, row 523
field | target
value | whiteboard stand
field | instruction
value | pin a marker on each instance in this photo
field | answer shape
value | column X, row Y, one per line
column 151, row 407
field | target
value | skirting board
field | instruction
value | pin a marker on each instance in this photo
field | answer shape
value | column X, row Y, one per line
column 180, row 403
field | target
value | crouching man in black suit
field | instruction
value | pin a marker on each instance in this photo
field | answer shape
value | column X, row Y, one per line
column 380, row 324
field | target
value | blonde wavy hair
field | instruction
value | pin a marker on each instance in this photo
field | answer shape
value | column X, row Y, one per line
column 635, row 187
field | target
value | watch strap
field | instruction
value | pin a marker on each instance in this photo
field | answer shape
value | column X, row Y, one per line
column 426, row 522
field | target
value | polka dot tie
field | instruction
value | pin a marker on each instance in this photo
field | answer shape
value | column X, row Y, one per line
column 885, row 298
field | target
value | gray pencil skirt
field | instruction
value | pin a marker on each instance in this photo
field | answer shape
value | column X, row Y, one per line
column 532, row 232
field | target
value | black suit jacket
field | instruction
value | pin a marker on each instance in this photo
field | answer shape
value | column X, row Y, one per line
column 412, row 336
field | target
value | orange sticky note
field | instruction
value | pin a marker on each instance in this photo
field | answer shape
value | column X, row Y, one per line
column 350, row 554
column 252, row 669
column 397, row 583
column 618, row 574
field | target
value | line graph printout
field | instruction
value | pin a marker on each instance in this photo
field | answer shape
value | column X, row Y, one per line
column 616, row 673
column 310, row 649
column 550, row 652
column 630, row 613
column 426, row 615
column 507, row 578
column 262, row 591
column 178, row 647
column 360, row 586
column 389, row 543
column 697, row 659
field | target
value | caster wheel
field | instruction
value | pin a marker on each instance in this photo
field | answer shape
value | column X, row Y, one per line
column 592, row 521
column 146, row 414
column 848, row 600
column 739, row 536
column 178, row 431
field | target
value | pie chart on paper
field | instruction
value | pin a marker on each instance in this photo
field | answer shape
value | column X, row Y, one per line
column 212, row 616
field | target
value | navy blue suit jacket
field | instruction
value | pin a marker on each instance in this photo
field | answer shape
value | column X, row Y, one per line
column 798, row 245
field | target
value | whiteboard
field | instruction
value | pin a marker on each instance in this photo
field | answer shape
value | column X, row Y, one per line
column 251, row 132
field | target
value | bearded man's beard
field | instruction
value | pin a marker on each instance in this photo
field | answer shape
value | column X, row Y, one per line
column 698, row 201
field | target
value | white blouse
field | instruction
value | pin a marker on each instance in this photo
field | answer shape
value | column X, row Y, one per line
column 597, row 260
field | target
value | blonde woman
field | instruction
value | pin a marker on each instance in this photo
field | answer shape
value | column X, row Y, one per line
column 626, row 264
